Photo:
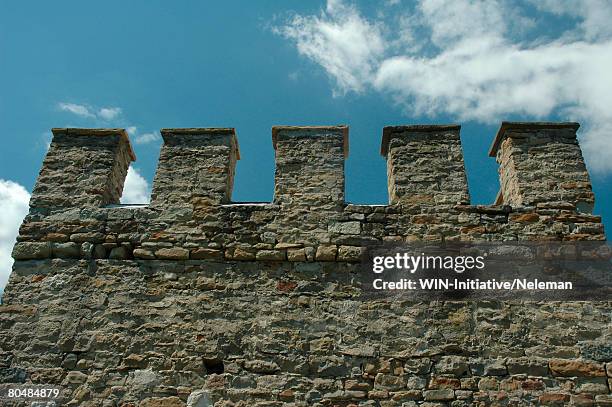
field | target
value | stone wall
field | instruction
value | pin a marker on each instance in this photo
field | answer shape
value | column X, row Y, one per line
column 194, row 300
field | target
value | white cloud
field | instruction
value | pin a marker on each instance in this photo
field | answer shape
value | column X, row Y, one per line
column 136, row 188
column 14, row 205
column 594, row 14
column 142, row 138
column 109, row 113
column 474, row 60
column 99, row 115
column 341, row 41
column 146, row 138
column 79, row 110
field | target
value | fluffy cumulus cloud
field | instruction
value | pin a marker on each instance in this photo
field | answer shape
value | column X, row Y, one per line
column 14, row 201
column 342, row 41
column 474, row 60
column 136, row 189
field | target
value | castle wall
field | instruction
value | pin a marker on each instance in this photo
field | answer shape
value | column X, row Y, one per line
column 195, row 299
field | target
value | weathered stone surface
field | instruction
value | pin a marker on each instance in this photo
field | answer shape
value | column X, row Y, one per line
column 349, row 253
column 488, row 383
column 326, row 253
column 92, row 237
column 118, row 253
column 206, row 254
column 596, row 351
column 69, row 250
column 31, row 250
column 175, row 253
column 561, row 367
column 439, row 395
column 455, row 365
column 143, row 254
column 592, row 385
column 162, row 402
column 296, row 255
column 199, row 398
column 274, row 255
column 528, row 366
column 240, row 253
column 553, row 399
column 347, row 228
column 75, row 378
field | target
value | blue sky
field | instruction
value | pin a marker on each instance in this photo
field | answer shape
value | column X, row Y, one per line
column 145, row 65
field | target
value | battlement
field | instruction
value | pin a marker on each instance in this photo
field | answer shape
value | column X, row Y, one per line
column 545, row 194
column 83, row 167
column 540, row 164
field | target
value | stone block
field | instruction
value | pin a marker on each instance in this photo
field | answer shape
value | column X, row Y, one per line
column 31, row 250
column 174, row 253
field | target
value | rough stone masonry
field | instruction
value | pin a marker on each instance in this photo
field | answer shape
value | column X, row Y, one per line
column 196, row 300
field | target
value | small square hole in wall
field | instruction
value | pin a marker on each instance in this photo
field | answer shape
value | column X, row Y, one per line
column 214, row 366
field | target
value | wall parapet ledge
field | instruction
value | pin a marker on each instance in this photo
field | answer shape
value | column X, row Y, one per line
column 74, row 131
column 168, row 134
column 390, row 131
column 527, row 127
column 311, row 131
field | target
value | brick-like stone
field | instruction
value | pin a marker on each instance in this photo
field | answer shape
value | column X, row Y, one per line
column 326, row 253
column 31, row 250
column 68, row 250
column 563, row 367
column 143, row 254
column 273, row 255
column 455, row 365
column 206, row 254
column 439, row 395
column 173, row 253
column 553, row 399
column 528, row 366
column 296, row 255
column 349, row 253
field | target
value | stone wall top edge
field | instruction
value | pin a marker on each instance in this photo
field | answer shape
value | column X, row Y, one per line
column 282, row 128
column 199, row 130
column 420, row 128
column 340, row 129
column 202, row 133
column 389, row 131
column 75, row 131
column 527, row 126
